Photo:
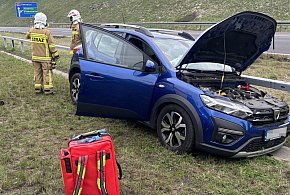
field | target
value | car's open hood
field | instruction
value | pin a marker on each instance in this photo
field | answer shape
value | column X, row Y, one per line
column 237, row 41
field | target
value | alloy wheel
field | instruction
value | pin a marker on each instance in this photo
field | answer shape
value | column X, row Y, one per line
column 173, row 129
column 75, row 88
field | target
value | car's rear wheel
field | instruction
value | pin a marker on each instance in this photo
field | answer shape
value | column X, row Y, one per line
column 75, row 87
column 175, row 129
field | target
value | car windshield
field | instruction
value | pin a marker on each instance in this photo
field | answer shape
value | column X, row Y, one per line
column 173, row 49
column 208, row 66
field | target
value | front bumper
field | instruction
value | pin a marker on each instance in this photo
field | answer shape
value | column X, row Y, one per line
column 251, row 143
column 252, row 148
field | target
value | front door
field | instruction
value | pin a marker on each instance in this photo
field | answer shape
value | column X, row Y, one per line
column 113, row 81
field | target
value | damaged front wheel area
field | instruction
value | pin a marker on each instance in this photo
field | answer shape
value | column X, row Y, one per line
column 175, row 129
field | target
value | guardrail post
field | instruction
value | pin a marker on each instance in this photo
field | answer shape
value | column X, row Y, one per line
column 13, row 44
column 5, row 42
column 22, row 46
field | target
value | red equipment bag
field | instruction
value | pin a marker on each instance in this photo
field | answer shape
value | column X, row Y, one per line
column 89, row 165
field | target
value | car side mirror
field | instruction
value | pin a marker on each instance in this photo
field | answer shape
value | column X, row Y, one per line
column 150, row 66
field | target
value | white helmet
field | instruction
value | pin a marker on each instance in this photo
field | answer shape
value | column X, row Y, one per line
column 40, row 18
column 74, row 16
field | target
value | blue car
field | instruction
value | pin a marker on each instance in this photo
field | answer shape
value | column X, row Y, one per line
column 190, row 91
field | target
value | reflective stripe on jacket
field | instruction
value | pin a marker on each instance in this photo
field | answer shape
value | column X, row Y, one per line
column 76, row 37
column 42, row 44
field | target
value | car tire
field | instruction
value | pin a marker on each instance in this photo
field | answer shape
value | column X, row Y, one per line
column 175, row 129
column 75, row 87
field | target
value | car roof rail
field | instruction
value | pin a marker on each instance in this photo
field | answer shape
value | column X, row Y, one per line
column 140, row 29
column 173, row 32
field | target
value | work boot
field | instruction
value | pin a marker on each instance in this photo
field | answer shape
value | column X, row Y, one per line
column 38, row 91
column 48, row 91
column 38, row 88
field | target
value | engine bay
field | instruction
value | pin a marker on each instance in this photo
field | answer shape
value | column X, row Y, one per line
column 233, row 87
column 236, row 89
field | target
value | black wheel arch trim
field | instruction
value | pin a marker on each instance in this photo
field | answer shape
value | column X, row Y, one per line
column 74, row 66
column 186, row 105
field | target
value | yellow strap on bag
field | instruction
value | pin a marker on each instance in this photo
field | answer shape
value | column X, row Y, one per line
column 101, row 176
column 81, row 171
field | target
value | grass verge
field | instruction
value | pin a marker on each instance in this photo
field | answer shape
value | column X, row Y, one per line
column 35, row 127
column 96, row 11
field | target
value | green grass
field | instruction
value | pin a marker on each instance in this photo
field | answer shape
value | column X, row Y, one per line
column 150, row 10
column 33, row 128
column 271, row 67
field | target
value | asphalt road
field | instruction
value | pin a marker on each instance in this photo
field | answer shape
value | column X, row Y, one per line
column 55, row 31
column 282, row 39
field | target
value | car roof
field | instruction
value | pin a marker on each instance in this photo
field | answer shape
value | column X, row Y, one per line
column 156, row 34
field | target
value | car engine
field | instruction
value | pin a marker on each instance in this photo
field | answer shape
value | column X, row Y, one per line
column 266, row 109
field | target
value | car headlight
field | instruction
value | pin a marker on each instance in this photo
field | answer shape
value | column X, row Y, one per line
column 228, row 107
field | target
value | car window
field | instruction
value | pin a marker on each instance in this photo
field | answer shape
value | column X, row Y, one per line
column 104, row 47
column 143, row 46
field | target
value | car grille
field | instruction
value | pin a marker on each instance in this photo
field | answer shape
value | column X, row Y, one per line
column 259, row 144
column 266, row 116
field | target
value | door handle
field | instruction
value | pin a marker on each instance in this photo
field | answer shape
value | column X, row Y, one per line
column 94, row 76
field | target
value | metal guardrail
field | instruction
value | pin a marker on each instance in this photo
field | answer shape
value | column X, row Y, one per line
column 22, row 41
column 269, row 83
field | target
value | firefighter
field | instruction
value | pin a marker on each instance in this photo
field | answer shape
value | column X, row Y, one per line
column 75, row 18
column 44, row 54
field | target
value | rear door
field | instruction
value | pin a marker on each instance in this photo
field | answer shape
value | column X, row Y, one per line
column 113, row 83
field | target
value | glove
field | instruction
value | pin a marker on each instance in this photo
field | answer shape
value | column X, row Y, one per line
column 53, row 64
column 55, row 58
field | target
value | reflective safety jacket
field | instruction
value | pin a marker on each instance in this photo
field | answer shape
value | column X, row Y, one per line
column 42, row 44
column 76, row 37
